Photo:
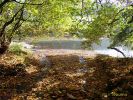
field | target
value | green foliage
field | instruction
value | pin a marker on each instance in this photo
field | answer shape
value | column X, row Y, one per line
column 125, row 27
column 87, row 19
column 107, row 19
column 16, row 49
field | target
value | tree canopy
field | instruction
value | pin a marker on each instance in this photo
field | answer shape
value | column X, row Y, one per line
column 89, row 19
column 106, row 18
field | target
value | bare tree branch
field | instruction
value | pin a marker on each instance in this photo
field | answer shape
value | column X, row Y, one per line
column 7, row 1
column 118, row 51
column 3, row 3
column 82, row 2
column 115, row 19
column 27, row 3
column 16, row 26
column 18, row 23
column 99, row 2
column 9, row 22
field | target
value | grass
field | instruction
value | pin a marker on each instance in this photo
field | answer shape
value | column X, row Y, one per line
column 16, row 49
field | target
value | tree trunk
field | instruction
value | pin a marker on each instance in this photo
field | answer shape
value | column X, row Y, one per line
column 4, row 47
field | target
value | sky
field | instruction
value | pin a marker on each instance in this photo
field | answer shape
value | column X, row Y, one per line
column 117, row 2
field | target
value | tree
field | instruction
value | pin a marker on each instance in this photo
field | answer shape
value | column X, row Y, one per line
column 13, row 14
column 57, row 18
column 90, row 19
column 103, row 18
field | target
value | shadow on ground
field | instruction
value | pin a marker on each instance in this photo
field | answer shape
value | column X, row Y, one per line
column 67, row 78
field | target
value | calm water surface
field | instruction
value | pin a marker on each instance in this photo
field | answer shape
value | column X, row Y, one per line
column 77, row 45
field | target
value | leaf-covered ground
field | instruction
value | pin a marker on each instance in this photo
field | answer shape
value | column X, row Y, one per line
column 66, row 77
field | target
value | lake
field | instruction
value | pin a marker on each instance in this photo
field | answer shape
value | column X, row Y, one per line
column 76, row 44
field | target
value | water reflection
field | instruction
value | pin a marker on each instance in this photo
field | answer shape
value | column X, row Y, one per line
column 101, row 48
column 60, row 44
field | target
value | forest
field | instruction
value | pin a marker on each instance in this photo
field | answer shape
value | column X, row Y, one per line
column 66, row 49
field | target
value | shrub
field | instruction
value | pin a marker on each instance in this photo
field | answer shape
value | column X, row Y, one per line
column 16, row 49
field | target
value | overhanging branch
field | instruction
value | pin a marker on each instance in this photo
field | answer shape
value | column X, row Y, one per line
column 9, row 22
column 118, row 51
column 115, row 19
column 27, row 3
column 3, row 3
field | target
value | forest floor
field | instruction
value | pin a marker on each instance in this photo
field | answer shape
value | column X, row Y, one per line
column 65, row 77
